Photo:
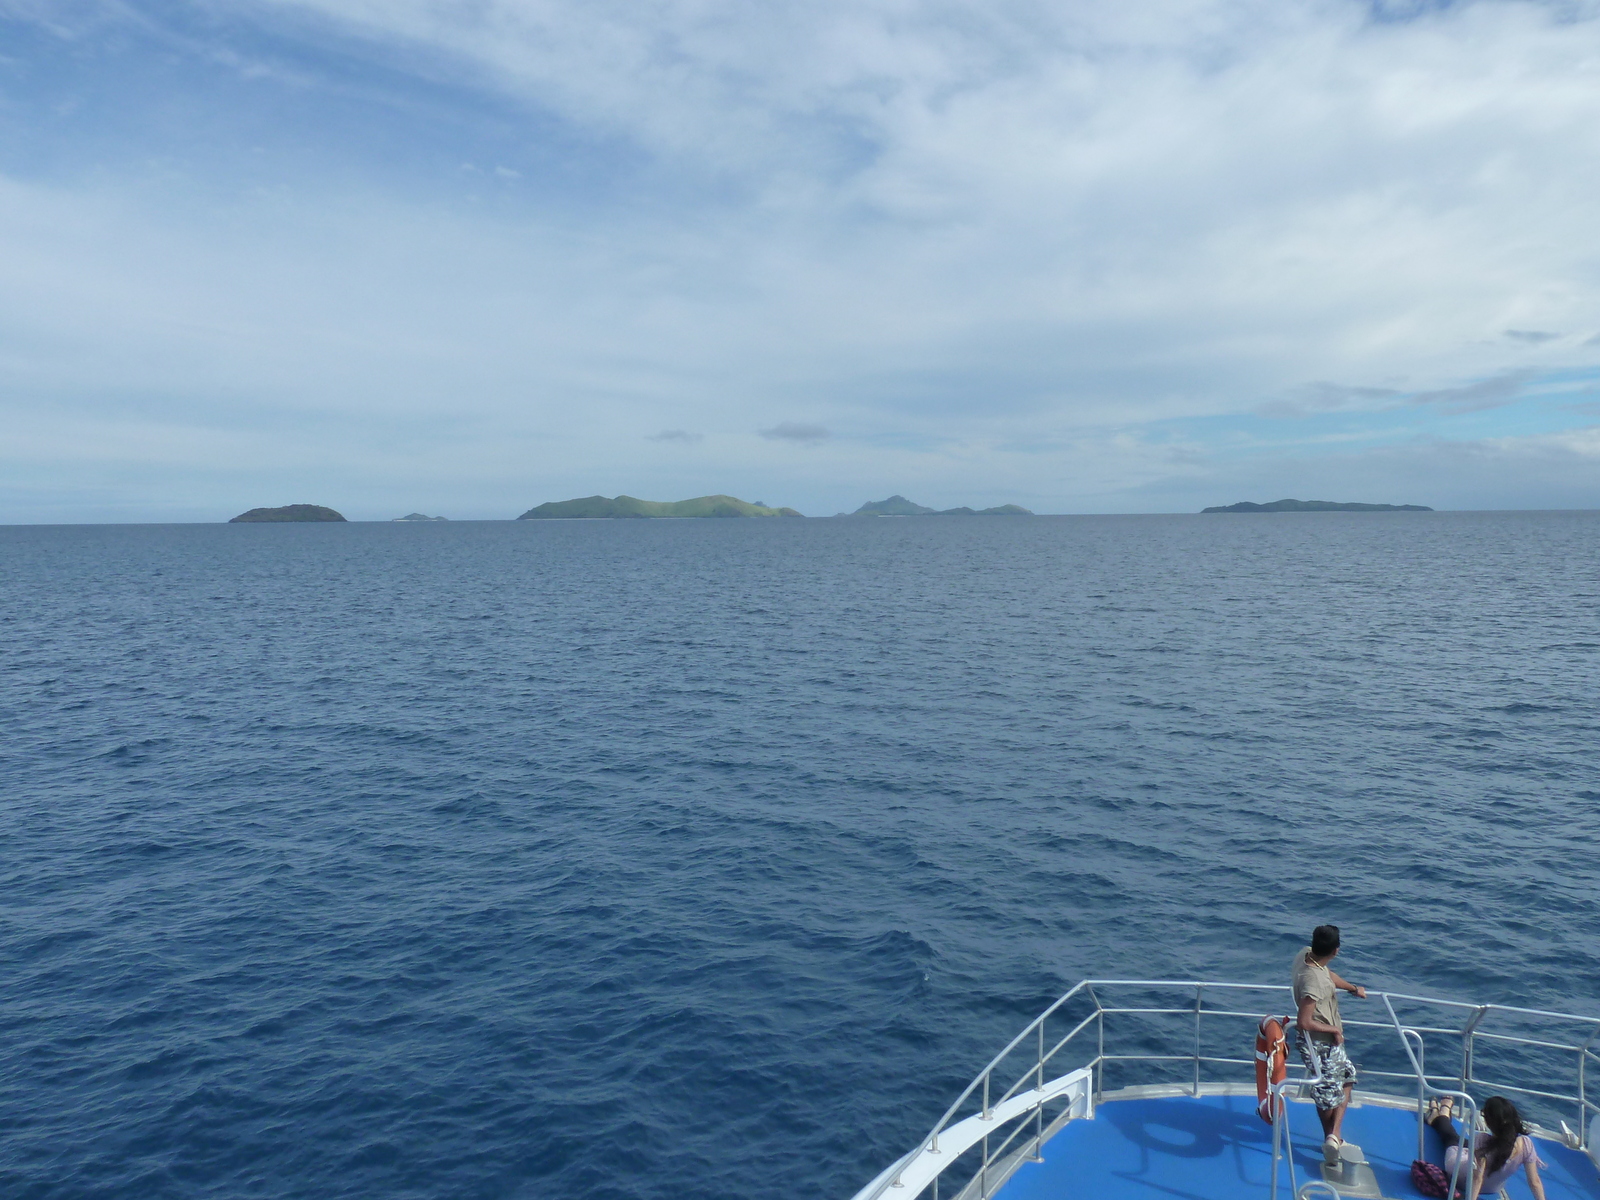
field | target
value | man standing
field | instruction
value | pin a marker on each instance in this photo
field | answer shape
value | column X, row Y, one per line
column 1320, row 1034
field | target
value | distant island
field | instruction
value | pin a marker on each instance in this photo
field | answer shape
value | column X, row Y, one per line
column 420, row 517
column 899, row 506
column 1244, row 506
column 289, row 512
column 629, row 506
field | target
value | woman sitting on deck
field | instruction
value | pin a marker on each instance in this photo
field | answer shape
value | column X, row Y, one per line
column 1497, row 1154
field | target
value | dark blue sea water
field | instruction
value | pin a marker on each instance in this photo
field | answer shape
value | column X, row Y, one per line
column 710, row 858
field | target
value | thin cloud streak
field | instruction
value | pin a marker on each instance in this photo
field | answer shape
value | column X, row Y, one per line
column 1325, row 397
column 1475, row 397
column 796, row 431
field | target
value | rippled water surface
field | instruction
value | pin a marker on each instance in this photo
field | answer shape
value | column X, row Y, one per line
column 710, row 858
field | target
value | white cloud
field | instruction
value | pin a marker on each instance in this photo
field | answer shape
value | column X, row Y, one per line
column 1287, row 187
column 985, row 246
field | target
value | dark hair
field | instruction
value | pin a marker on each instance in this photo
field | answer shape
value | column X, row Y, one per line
column 1324, row 940
column 1505, row 1127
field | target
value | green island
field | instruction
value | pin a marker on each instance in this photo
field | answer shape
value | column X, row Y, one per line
column 420, row 517
column 1245, row 506
column 899, row 506
column 631, row 507
column 288, row 512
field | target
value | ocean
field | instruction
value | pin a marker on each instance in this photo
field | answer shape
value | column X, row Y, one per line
column 671, row 859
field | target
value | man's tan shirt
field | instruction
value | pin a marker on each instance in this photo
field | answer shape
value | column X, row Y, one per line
column 1313, row 979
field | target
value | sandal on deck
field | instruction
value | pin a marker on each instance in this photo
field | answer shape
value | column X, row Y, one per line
column 1439, row 1106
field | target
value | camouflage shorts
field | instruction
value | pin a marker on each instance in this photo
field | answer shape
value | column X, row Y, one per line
column 1335, row 1067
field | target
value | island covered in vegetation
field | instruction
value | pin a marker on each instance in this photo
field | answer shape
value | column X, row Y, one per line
column 420, row 517
column 1245, row 506
column 289, row 512
column 629, row 506
column 899, row 506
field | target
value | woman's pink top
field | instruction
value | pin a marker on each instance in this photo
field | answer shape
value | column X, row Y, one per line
column 1495, row 1180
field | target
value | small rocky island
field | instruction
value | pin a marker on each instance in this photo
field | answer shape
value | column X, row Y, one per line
column 899, row 506
column 288, row 512
column 420, row 517
column 590, row 507
column 1245, row 506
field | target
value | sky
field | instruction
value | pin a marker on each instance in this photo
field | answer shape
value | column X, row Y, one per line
column 466, row 256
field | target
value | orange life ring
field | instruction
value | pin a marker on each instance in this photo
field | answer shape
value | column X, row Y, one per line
column 1272, row 1061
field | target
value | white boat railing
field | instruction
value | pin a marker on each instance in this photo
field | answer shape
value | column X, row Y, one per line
column 1056, row 1069
column 1416, row 1050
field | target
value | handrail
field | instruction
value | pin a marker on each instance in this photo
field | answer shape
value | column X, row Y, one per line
column 1470, row 1113
column 1043, row 1057
column 1421, row 1059
column 1026, row 1097
column 1282, row 1138
column 983, row 1076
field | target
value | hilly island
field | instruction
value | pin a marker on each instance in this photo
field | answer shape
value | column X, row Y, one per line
column 1276, row 506
column 288, row 512
column 899, row 506
column 629, row 506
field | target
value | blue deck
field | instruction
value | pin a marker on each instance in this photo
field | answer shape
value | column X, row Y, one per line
column 1216, row 1148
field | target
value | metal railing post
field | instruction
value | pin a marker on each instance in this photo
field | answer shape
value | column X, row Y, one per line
column 1468, row 1036
column 1100, row 1052
column 1422, row 1075
column 988, row 1113
column 1197, row 992
column 1464, row 1159
column 1038, row 1084
column 1274, row 1154
column 1583, row 1090
column 1273, row 1099
column 1583, row 1107
column 1282, row 1142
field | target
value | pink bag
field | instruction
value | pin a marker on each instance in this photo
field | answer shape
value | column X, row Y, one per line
column 1430, row 1179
